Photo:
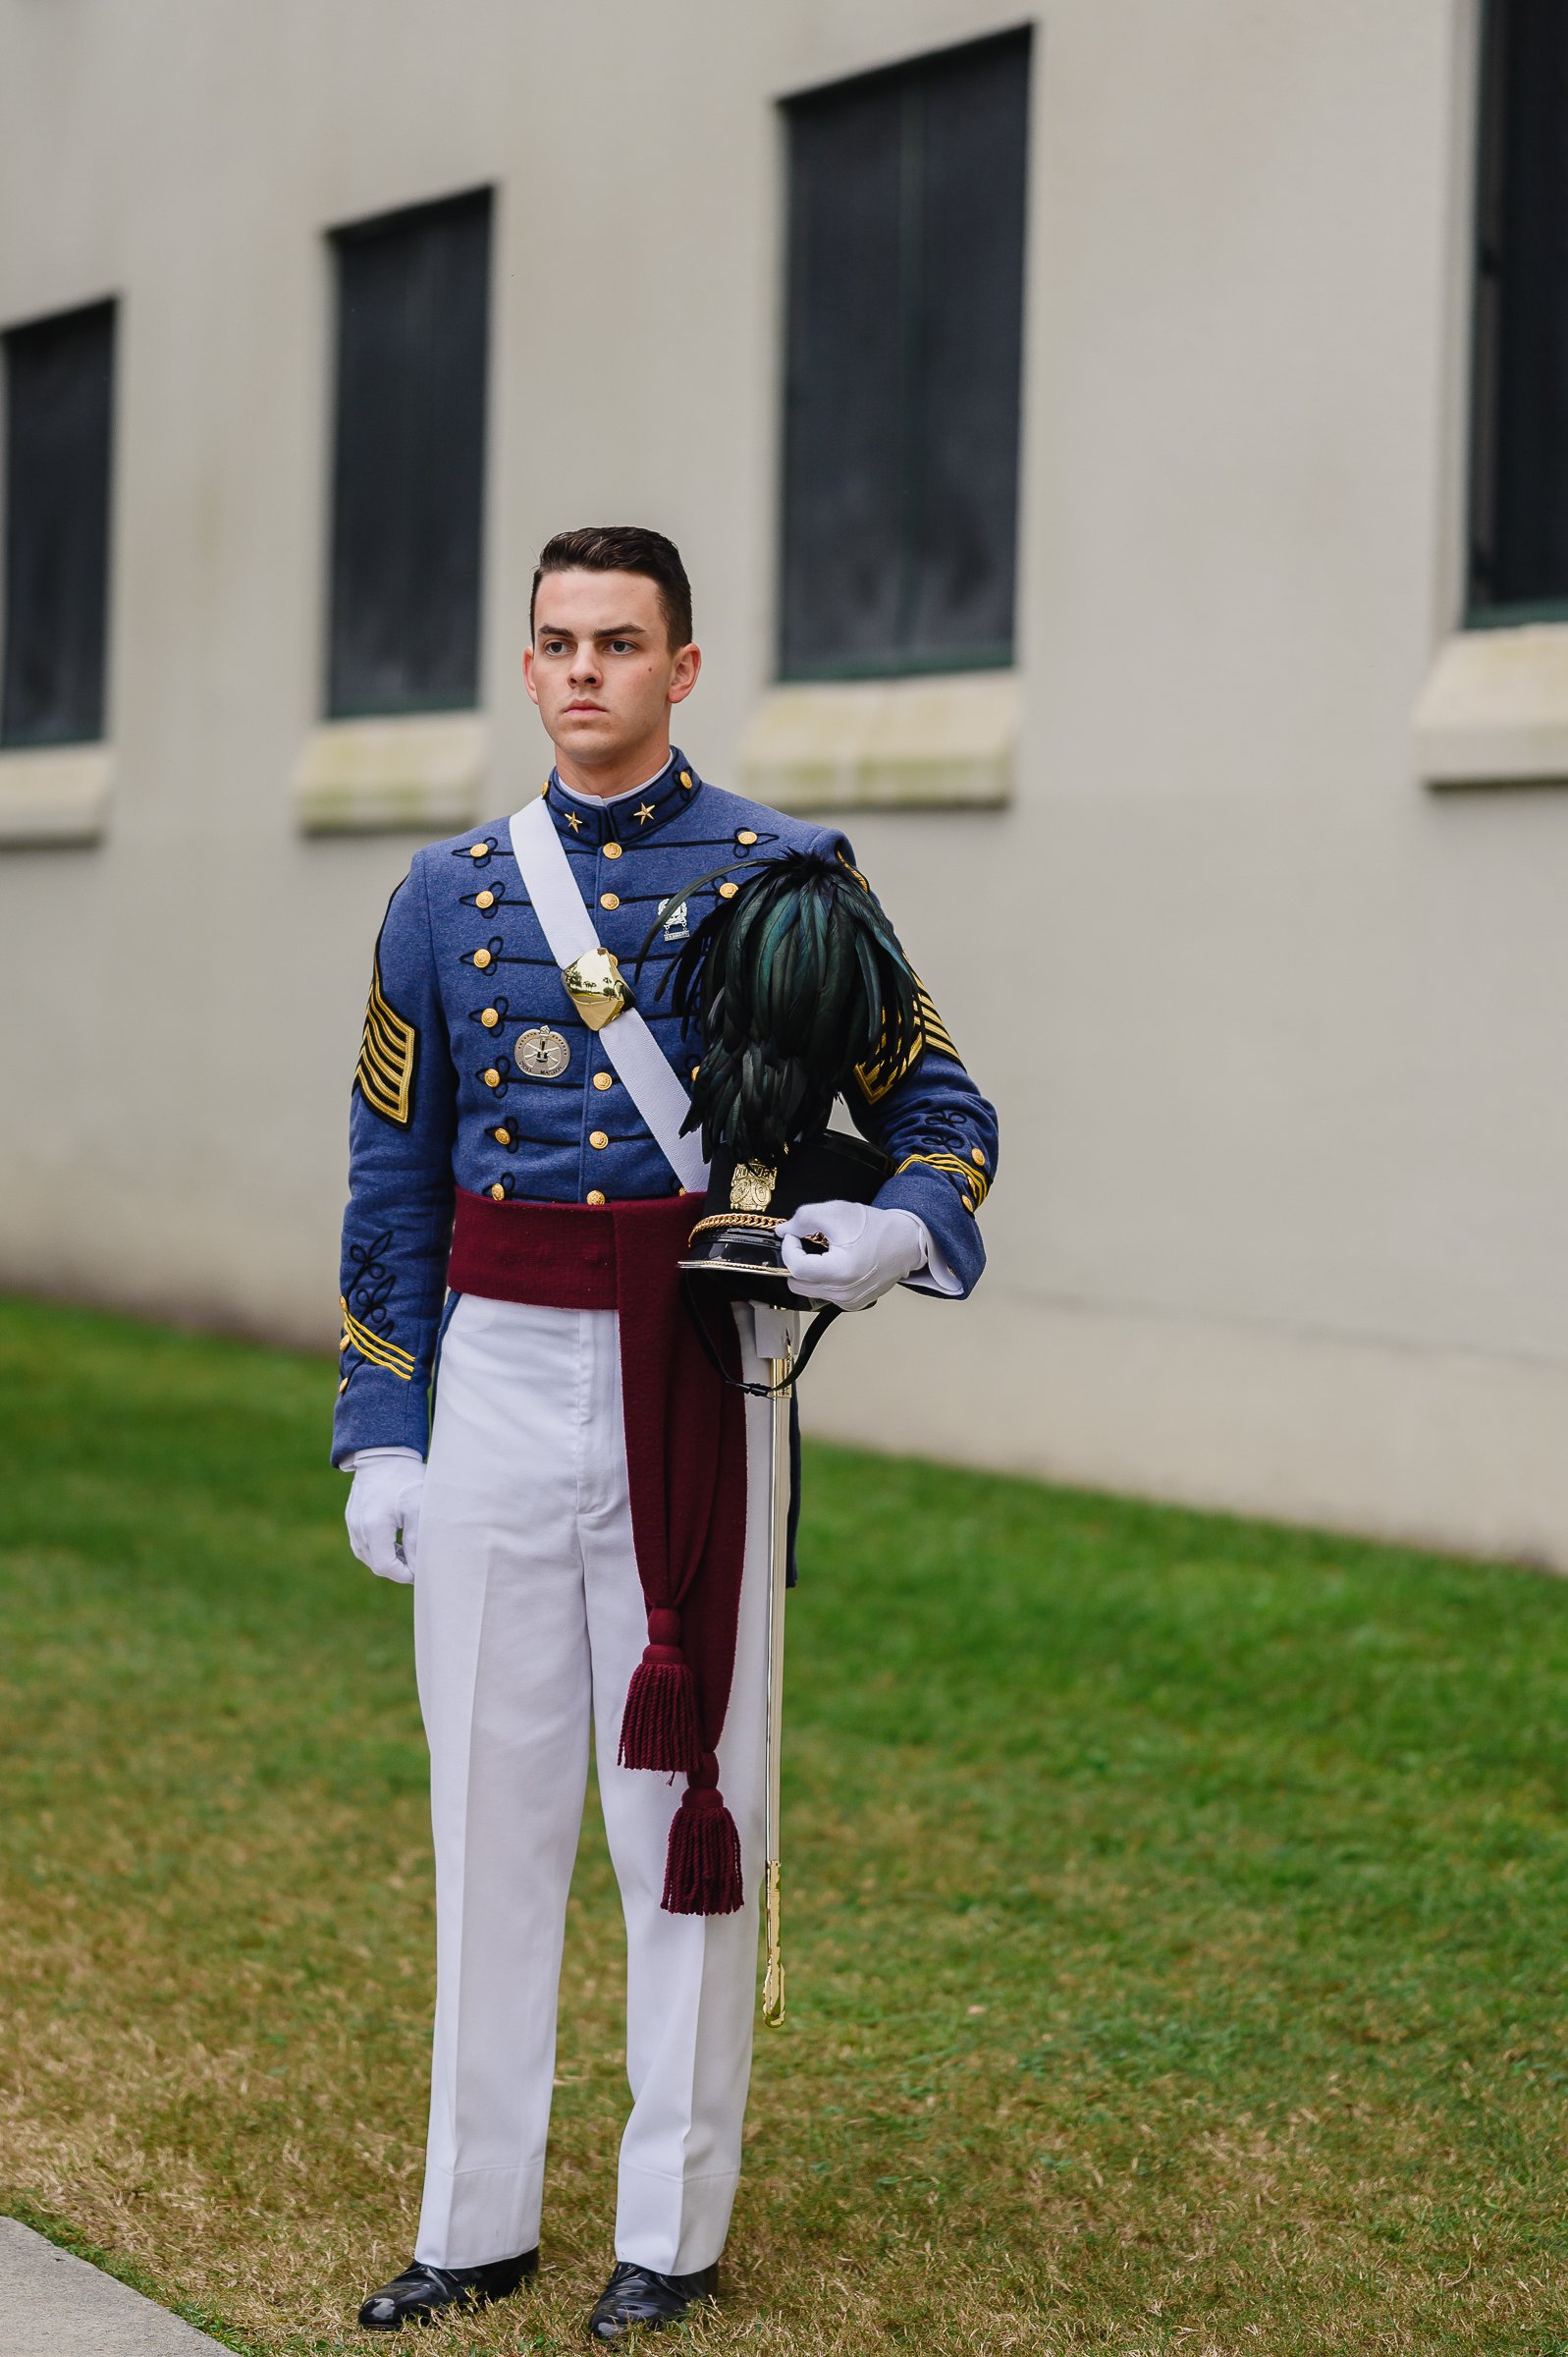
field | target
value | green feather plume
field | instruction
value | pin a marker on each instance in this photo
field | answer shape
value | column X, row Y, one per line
column 790, row 985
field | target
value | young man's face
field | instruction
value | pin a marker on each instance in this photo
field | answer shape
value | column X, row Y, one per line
column 600, row 668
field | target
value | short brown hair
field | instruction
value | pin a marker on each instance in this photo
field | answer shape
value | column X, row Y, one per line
column 621, row 548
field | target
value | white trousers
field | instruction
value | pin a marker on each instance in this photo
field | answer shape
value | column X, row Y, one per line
column 528, row 1620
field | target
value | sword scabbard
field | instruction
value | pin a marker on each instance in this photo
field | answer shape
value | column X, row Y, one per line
column 780, row 1370
column 773, row 1978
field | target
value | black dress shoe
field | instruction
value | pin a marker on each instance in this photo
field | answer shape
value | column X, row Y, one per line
column 640, row 2295
column 420, row 2293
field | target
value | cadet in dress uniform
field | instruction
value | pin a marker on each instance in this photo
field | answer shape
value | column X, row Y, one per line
column 480, row 1086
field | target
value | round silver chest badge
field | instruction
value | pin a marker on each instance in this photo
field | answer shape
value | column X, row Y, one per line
column 542, row 1053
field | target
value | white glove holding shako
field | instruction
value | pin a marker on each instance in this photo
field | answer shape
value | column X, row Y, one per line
column 869, row 1252
column 384, row 1501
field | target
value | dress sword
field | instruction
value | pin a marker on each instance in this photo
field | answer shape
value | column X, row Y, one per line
column 779, row 1371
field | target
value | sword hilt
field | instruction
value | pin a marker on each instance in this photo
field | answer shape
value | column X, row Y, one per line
column 773, row 1978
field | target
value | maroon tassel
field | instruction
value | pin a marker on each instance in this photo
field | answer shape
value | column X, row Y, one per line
column 658, row 1727
column 702, row 1871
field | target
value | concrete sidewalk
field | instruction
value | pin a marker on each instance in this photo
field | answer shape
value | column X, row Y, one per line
column 52, row 2305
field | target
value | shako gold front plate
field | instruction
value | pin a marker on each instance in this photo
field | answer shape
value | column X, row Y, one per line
column 751, row 1185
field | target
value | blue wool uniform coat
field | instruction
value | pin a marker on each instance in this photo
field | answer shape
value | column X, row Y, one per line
column 442, row 1098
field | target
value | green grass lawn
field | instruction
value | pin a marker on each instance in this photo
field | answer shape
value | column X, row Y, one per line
column 1177, row 1908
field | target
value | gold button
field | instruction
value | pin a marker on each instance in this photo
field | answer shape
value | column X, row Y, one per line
column 696, row 1070
column 745, row 836
column 484, row 899
column 726, row 891
column 492, row 1079
column 612, row 851
column 604, row 1079
column 968, row 1206
column 977, row 1158
column 490, row 1017
column 597, row 1137
column 342, row 1387
column 594, row 1196
column 499, row 1192
column 686, row 779
column 502, row 1137
column 610, row 900
column 477, row 850
column 481, row 959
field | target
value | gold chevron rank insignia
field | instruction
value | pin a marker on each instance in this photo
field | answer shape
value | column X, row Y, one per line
column 877, row 1078
column 388, row 1049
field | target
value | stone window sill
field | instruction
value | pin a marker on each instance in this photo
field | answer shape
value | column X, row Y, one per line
column 944, row 741
column 1493, row 709
column 422, row 774
column 57, row 794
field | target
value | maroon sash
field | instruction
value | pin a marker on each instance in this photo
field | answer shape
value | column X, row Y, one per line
column 686, row 1475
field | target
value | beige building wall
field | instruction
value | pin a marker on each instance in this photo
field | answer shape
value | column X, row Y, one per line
column 1273, row 1027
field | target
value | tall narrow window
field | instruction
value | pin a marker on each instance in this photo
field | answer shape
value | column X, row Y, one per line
column 408, row 478
column 1518, row 455
column 903, row 348
column 59, row 407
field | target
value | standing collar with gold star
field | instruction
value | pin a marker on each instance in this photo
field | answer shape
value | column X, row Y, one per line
column 630, row 817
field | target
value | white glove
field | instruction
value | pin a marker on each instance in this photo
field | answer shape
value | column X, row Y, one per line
column 869, row 1251
column 384, row 1499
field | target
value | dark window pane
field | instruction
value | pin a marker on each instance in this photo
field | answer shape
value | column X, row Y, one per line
column 413, row 293
column 1519, row 488
column 906, row 294
column 971, row 126
column 841, row 557
column 59, row 391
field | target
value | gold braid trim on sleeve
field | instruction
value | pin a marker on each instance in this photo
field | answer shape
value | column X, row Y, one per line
column 374, row 1347
column 976, row 1184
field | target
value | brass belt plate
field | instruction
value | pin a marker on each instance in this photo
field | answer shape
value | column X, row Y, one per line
column 595, row 988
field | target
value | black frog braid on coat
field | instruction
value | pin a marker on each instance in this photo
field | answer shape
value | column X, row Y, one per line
column 792, row 984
